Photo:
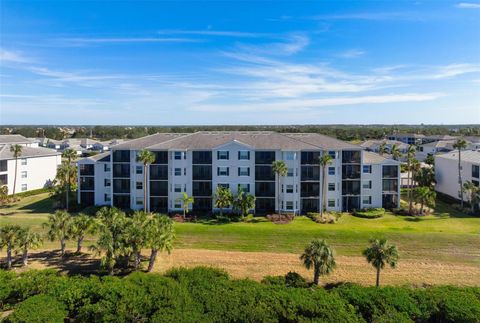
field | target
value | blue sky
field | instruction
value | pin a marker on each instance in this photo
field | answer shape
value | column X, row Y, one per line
column 232, row 62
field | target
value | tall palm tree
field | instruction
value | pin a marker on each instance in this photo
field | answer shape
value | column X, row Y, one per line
column 136, row 235
column 9, row 235
column 223, row 198
column 410, row 155
column 383, row 148
column 460, row 144
column 82, row 225
column 147, row 158
column 59, row 228
column 319, row 255
column 186, row 201
column 395, row 152
column 17, row 152
column 69, row 155
column 244, row 202
column 28, row 240
column 324, row 161
column 425, row 195
column 279, row 167
column 474, row 192
column 160, row 236
column 379, row 254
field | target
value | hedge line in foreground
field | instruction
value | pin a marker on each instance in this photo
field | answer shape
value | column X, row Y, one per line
column 209, row 295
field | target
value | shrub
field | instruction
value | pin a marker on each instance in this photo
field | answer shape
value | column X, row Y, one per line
column 293, row 279
column 274, row 280
column 330, row 217
column 370, row 213
column 39, row 308
column 281, row 218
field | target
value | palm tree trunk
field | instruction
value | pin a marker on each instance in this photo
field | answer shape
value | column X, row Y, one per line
column 421, row 207
column 378, row 277
column 153, row 257
column 25, row 257
column 278, row 195
column 145, row 187
column 409, row 192
column 316, row 275
column 324, row 191
column 79, row 244
column 184, row 213
column 62, row 247
column 138, row 258
column 15, row 177
column 460, row 176
column 67, row 191
column 9, row 256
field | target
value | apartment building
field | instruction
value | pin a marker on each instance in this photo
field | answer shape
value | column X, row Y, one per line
column 446, row 172
column 36, row 168
column 197, row 163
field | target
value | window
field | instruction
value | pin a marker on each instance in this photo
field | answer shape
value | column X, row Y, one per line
column 475, row 171
column 244, row 187
column 476, row 183
column 107, row 197
column 4, row 179
column 331, row 170
column 367, row 169
column 106, row 167
column 177, row 205
column 367, row 200
column 332, row 154
column 178, row 188
column 243, row 155
column 24, row 161
column 106, row 182
column 331, row 203
column 222, row 155
column 290, row 155
column 139, row 201
column 289, row 205
column 290, row 172
column 390, row 171
column 139, row 169
column 289, row 188
column 243, row 171
column 367, row 184
column 24, row 174
column 185, row 171
column 224, row 185
column 177, row 155
column 3, row 166
column 223, row 171
column 331, row 187
column 178, row 172
column 24, row 187
column 139, row 185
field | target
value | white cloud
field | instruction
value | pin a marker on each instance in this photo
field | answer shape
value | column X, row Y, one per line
column 12, row 56
column 121, row 40
column 468, row 5
column 352, row 53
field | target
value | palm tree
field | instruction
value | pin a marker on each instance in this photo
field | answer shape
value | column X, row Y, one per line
column 147, row 158
column 381, row 253
column 9, row 235
column 460, row 144
column 395, row 152
column 319, row 255
column 425, row 177
column 425, row 195
column 223, row 198
column 186, row 201
column 111, row 236
column 3, row 194
column 324, row 161
column 136, row 235
column 410, row 155
column 279, row 167
column 160, row 236
column 82, row 225
column 474, row 192
column 383, row 148
column 244, row 202
column 28, row 240
column 59, row 228
column 69, row 155
column 17, row 152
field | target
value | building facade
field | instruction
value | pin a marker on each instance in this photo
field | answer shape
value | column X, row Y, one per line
column 198, row 163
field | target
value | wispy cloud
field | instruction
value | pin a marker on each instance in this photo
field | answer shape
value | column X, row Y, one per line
column 352, row 53
column 378, row 16
column 208, row 32
column 468, row 5
column 290, row 44
column 121, row 40
column 13, row 56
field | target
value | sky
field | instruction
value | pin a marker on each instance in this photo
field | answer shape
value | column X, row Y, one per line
column 234, row 62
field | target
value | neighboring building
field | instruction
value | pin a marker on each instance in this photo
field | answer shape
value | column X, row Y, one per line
column 36, row 168
column 197, row 163
column 408, row 138
column 17, row 140
column 446, row 172
column 374, row 145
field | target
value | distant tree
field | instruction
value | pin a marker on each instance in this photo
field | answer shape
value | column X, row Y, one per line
column 9, row 235
column 319, row 255
column 223, row 198
column 59, row 228
column 69, row 155
column 244, row 202
column 395, row 152
column 279, row 167
column 425, row 195
column 383, row 148
column 28, row 240
column 410, row 156
column 474, row 192
column 147, row 158
column 160, row 236
column 17, row 152
column 82, row 225
column 430, row 160
column 324, row 161
column 379, row 254
column 460, row 144
column 186, row 201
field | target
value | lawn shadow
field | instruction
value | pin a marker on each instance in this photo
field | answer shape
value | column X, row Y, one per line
column 46, row 205
column 71, row 263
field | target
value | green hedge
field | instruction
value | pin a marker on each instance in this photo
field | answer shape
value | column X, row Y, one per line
column 370, row 213
column 209, row 295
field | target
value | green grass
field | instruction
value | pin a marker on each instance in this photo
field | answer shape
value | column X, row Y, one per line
column 446, row 235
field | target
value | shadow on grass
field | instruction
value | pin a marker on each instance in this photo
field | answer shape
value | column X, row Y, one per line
column 71, row 263
column 46, row 205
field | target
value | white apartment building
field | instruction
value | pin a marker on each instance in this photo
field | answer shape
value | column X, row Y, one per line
column 197, row 163
column 446, row 172
column 36, row 168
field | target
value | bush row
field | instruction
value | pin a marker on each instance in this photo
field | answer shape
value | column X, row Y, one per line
column 209, row 295
column 370, row 213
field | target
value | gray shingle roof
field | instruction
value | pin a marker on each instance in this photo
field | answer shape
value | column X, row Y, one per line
column 5, row 152
column 374, row 158
column 14, row 139
column 322, row 141
column 144, row 142
column 467, row 155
